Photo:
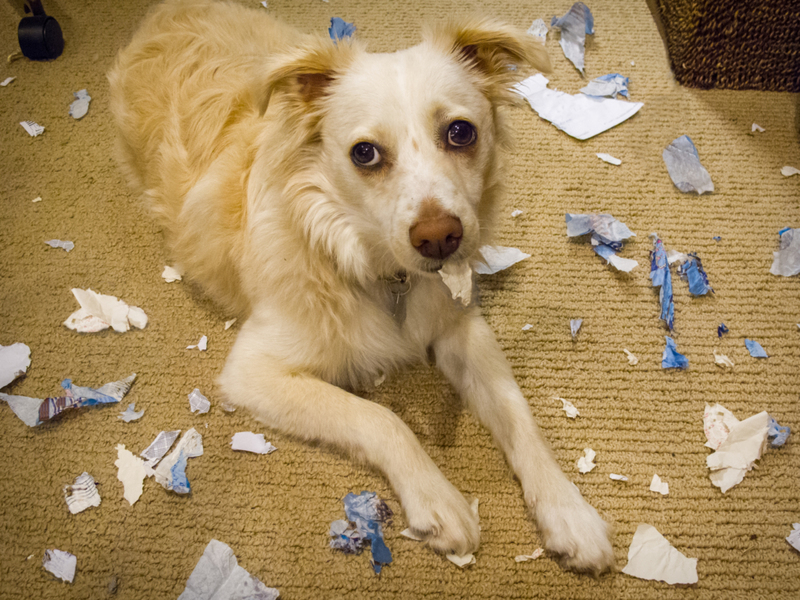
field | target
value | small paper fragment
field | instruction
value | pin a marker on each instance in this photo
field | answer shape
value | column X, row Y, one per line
column 787, row 259
column 651, row 556
column 671, row 358
column 61, row 564
column 586, row 462
column 658, row 486
column 608, row 158
column 568, row 407
column 82, row 494
column 130, row 413
column 171, row 274
column 202, row 345
column 198, row 402
column 14, row 362
column 32, row 128
column 498, row 258
column 721, row 360
column 80, row 106
column 538, row 30
column 717, row 424
column 616, row 477
column 755, row 349
column 738, row 452
column 218, row 576
column 526, row 557
column 574, row 26
column 785, row 171
column 685, row 170
column 100, row 311
column 794, row 537
column 131, row 471
column 515, row 213
column 758, row 128
column 458, row 279
column 159, row 447
column 171, row 471
column 37, row 199
column 66, row 245
column 340, row 29
column 574, row 327
column 632, row 360
column 527, row 327
column 466, row 559
column 607, row 85
column 6, row 81
column 229, row 324
column 248, row 441
column 777, row 432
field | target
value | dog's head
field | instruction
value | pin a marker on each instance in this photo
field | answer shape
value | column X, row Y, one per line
column 402, row 148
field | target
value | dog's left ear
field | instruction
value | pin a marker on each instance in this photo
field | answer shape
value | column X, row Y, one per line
column 492, row 49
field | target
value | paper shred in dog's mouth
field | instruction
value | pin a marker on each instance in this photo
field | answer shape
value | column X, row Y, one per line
column 458, row 278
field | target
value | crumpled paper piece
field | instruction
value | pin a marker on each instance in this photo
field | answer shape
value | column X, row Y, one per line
column 80, row 106
column 632, row 360
column 737, row 454
column 171, row 274
column 526, row 557
column 202, row 345
column 574, row 26
column 100, row 311
column 198, row 402
column 578, row 115
column 340, row 29
column 722, row 360
column 661, row 277
column 458, row 279
column 494, row 259
column 568, row 407
column 586, row 462
column 778, row 433
column 607, row 85
column 66, row 245
column 755, row 349
column 693, row 273
column 658, row 486
column 14, row 362
column 218, row 576
column 538, row 30
column 651, row 556
column 685, row 170
column 171, row 471
column 82, row 494
column 786, row 261
column 61, row 564
column 671, row 358
column 607, row 238
column 35, row 411
column 717, row 424
column 366, row 514
column 575, row 326
column 32, row 128
column 794, row 537
column 130, row 413
column 248, row 441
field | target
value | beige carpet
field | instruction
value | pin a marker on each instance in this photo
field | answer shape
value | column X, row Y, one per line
column 274, row 511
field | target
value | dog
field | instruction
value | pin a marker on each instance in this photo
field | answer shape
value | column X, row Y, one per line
column 317, row 189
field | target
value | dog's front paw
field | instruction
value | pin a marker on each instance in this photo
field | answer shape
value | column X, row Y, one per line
column 572, row 529
column 440, row 516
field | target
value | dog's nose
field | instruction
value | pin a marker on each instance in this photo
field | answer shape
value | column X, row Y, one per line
column 436, row 234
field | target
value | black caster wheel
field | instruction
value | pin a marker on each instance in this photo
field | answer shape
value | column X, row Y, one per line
column 40, row 36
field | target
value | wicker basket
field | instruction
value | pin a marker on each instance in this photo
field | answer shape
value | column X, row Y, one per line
column 734, row 44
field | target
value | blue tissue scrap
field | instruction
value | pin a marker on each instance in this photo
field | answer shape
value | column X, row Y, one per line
column 755, row 349
column 178, row 481
column 607, row 232
column 574, row 26
column 692, row 272
column 576, row 9
column 717, row 238
column 779, row 432
column 607, row 85
column 722, row 329
column 340, row 29
column 672, row 359
column 661, row 277
column 365, row 513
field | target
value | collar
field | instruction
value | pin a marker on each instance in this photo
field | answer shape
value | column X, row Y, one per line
column 397, row 287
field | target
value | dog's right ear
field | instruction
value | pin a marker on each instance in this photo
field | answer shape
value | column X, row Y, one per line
column 305, row 73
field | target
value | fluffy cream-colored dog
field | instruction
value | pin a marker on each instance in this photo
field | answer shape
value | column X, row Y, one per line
column 316, row 189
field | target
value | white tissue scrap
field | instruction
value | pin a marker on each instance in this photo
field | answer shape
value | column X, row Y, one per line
column 758, row 128
column 616, row 477
column 130, row 414
column 170, row 274
column 198, row 402
column 131, row 471
column 458, row 279
column 658, row 486
column 526, row 557
column 229, row 324
column 538, row 30
column 515, row 213
column 14, row 362
column 632, row 360
column 37, row 199
column 466, row 559
column 60, row 244
column 651, row 556
column 82, row 494
column 575, row 326
column 8, row 80
column 787, row 260
column 674, row 256
column 785, row 171
column 159, row 447
column 80, row 106
column 202, row 345
column 738, row 444
column 218, row 576
column 586, row 462
column 498, row 258
column 685, row 170
column 32, row 128
column 794, row 537
column 568, row 407
column 100, row 311
column 171, row 471
column 722, row 360
column 608, row 158
column 248, row 441
column 527, row 327
column 61, row 564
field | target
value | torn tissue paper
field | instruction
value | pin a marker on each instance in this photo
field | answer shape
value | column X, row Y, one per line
column 739, row 449
column 632, row 360
column 131, row 471
column 159, row 447
column 616, row 477
column 574, row 26
column 8, row 80
column 218, row 576
column 794, row 537
column 14, row 362
column 785, row 171
column 538, row 30
column 61, row 564
column 722, row 360
column 60, row 244
column 170, row 274
column 248, row 441
column 497, row 258
column 465, row 560
column 202, row 345
column 607, row 85
column 35, row 411
column 671, row 358
column 574, row 327
column 99, row 312
column 651, row 556
column 786, row 261
column 661, row 277
column 778, row 433
column 458, row 279
column 579, row 115
column 607, row 238
column 692, row 272
column 82, row 494
column 755, row 349
column 32, row 128
column 683, row 164
column 80, row 106
column 130, row 414
column 568, row 407
column 366, row 514
column 340, row 29
column 526, row 557
column 658, row 486
column 586, row 462
column 171, row 471
column 198, row 402
column 609, row 159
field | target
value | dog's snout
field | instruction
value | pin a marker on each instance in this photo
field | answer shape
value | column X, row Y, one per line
column 436, row 234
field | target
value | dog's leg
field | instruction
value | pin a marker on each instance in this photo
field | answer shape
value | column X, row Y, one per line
column 306, row 407
column 470, row 357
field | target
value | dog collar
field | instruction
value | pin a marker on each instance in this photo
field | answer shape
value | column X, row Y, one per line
column 398, row 286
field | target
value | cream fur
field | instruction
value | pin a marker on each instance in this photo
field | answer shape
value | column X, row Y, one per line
column 237, row 129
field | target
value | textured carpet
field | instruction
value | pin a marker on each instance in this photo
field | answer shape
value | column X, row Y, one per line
column 274, row 511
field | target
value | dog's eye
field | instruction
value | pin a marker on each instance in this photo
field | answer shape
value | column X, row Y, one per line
column 365, row 154
column 461, row 133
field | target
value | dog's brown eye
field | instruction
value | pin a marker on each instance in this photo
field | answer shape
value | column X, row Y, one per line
column 365, row 154
column 461, row 133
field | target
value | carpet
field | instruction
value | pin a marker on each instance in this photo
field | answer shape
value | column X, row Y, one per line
column 274, row 511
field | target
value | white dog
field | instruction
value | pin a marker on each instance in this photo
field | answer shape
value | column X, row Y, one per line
column 316, row 189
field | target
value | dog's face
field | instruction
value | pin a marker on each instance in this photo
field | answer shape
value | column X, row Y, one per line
column 405, row 144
